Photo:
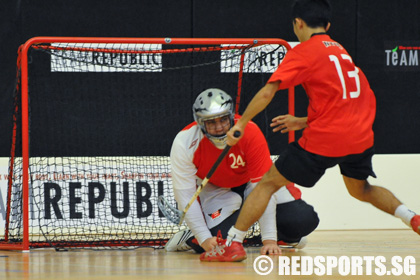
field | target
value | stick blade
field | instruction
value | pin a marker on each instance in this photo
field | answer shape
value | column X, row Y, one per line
column 171, row 213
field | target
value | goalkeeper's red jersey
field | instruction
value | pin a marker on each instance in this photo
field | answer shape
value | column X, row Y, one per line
column 193, row 153
column 342, row 105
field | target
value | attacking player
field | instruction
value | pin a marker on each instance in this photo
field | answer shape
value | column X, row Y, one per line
column 287, row 220
column 337, row 129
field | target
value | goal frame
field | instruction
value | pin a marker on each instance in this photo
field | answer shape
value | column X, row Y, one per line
column 22, row 64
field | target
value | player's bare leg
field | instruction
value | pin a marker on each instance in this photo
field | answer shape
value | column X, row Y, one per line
column 382, row 199
column 258, row 199
column 379, row 197
column 231, row 249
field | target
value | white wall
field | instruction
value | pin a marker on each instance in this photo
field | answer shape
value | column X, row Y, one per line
column 338, row 210
column 335, row 207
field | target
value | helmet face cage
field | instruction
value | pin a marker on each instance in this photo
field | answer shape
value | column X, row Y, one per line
column 211, row 104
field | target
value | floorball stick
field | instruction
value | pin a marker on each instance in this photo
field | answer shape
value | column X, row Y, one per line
column 177, row 216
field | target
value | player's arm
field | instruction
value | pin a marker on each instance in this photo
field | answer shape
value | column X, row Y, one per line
column 286, row 123
column 268, row 226
column 194, row 218
column 257, row 104
column 258, row 162
column 184, row 186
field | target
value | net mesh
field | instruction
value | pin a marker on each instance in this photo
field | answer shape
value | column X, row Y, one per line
column 102, row 118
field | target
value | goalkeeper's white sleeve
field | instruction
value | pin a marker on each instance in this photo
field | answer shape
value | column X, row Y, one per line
column 194, row 216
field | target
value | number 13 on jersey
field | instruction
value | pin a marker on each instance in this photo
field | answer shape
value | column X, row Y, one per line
column 354, row 75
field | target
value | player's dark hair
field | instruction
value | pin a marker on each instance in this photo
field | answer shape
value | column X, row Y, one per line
column 316, row 13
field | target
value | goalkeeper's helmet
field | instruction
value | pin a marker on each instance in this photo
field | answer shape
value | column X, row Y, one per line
column 211, row 104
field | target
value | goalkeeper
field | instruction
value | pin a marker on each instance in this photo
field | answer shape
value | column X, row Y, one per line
column 287, row 219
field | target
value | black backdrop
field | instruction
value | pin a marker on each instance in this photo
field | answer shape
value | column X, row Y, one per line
column 369, row 30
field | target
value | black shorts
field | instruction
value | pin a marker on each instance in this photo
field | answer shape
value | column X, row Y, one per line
column 305, row 169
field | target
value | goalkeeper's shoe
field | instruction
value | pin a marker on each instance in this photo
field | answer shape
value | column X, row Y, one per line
column 178, row 241
column 415, row 223
column 294, row 245
column 223, row 252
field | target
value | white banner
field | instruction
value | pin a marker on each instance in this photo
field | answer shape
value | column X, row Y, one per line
column 76, row 57
column 108, row 193
column 260, row 59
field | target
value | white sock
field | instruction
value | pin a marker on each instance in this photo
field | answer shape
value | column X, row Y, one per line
column 404, row 214
column 235, row 235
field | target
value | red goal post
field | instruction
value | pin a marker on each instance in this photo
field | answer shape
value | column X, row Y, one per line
column 20, row 172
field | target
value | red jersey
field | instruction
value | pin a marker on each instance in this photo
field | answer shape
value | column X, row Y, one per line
column 342, row 105
column 193, row 153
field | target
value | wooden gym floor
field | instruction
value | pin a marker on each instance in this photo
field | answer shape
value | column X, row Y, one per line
column 147, row 263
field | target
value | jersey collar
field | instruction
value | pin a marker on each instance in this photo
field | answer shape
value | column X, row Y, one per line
column 319, row 33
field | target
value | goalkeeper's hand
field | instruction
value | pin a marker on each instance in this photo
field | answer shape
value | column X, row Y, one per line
column 270, row 247
column 209, row 243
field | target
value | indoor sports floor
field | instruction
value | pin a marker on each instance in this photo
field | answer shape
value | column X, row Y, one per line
column 148, row 263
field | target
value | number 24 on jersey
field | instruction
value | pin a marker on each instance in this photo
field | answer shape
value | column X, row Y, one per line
column 237, row 161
